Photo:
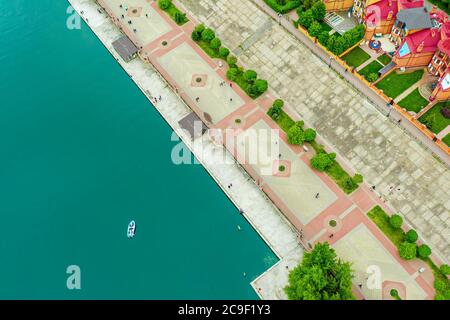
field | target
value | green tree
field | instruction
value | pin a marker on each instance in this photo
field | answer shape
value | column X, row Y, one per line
column 319, row 11
column 321, row 276
column 309, row 135
column 215, row 43
column 208, row 34
column 224, row 52
column 164, row 4
column 315, row 29
column 295, row 135
column 275, row 110
column 322, row 160
column 232, row 61
column 445, row 269
column 278, row 103
column 180, row 17
column 424, row 251
column 196, row 36
column 407, row 250
column 396, row 221
column 306, row 18
column 411, row 236
column 440, row 285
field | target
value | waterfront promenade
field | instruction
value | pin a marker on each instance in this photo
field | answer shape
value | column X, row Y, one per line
column 354, row 236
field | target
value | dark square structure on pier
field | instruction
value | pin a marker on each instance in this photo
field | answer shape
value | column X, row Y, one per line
column 125, row 48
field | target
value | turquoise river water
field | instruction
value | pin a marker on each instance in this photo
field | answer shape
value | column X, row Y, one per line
column 81, row 153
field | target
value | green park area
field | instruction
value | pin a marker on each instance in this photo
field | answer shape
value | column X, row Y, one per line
column 356, row 57
column 395, row 83
column 413, row 102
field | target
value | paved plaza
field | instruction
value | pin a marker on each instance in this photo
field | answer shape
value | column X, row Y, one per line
column 377, row 148
column 364, row 251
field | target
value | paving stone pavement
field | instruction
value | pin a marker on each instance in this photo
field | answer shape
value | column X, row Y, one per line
column 352, row 126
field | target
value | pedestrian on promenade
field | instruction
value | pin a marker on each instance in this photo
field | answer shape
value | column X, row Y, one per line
column 317, row 195
column 160, row 98
column 197, row 99
column 231, row 99
column 331, row 236
column 231, row 85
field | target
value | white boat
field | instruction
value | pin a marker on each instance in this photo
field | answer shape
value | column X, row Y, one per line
column 131, row 229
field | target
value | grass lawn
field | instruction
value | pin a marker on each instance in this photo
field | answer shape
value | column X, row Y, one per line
column 434, row 120
column 413, row 101
column 172, row 11
column 384, row 59
column 356, row 57
column 446, row 139
column 394, row 84
column 283, row 8
column 372, row 67
column 381, row 219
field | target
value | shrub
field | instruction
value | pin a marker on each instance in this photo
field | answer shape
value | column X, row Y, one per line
column 180, row 17
column 396, row 221
column 309, row 135
column 315, row 29
column 200, row 28
column 350, row 184
column 372, row 77
column 250, row 76
column 260, row 86
column 283, row 6
column 224, row 52
column 215, row 43
column 208, row 34
column 445, row 111
column 440, row 285
column 164, row 4
column 295, row 135
column 275, row 110
column 323, row 37
column 318, row 10
column 424, row 251
column 445, row 269
column 411, row 236
column 232, row 74
column 197, row 32
column 321, row 161
column 306, row 18
column 407, row 250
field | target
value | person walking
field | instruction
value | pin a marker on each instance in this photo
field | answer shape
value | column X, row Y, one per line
column 317, row 195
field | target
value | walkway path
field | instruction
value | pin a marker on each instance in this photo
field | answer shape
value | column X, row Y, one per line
column 357, row 128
